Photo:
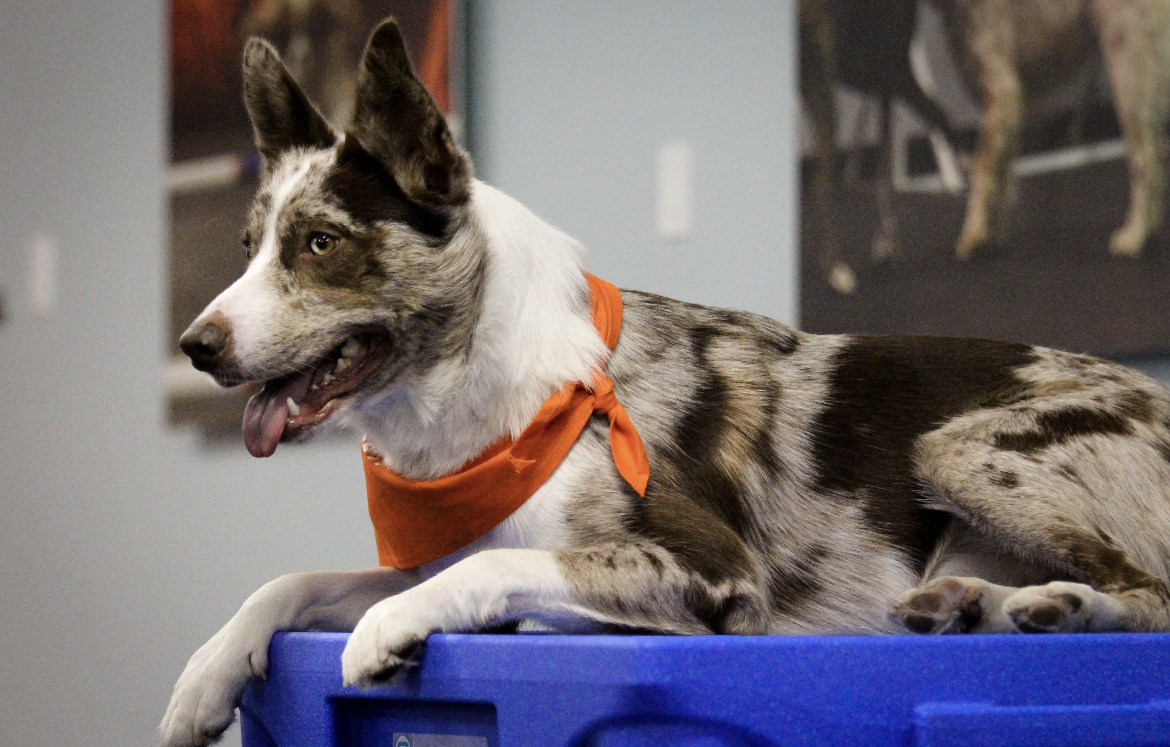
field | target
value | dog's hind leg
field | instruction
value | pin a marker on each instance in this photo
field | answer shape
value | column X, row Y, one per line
column 636, row 585
column 1075, row 490
column 205, row 697
column 1135, row 41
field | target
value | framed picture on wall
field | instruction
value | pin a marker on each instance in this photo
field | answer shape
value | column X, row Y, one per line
column 986, row 174
column 214, row 166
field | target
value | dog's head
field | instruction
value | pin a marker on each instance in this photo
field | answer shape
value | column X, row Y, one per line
column 362, row 266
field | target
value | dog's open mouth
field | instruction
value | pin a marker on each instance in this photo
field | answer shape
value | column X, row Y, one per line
column 289, row 407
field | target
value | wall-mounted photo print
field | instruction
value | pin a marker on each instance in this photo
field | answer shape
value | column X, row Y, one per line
column 992, row 169
column 214, row 164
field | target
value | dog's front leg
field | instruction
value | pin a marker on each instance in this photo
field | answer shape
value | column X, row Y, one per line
column 640, row 586
column 205, row 697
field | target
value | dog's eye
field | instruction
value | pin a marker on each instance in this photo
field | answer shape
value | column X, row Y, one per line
column 321, row 243
column 246, row 242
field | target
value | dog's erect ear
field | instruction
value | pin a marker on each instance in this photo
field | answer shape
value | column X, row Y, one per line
column 282, row 115
column 397, row 122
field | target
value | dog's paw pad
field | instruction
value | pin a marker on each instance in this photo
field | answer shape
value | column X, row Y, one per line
column 944, row 605
column 1055, row 608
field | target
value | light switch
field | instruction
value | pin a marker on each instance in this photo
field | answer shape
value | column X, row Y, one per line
column 675, row 191
column 42, row 275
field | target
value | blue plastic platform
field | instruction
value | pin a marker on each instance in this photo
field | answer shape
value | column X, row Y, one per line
column 709, row 691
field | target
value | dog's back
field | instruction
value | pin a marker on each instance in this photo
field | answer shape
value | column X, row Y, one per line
column 810, row 479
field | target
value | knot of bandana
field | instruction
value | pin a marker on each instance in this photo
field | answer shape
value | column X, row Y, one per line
column 629, row 455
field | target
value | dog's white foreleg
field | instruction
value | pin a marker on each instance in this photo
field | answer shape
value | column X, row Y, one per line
column 633, row 585
column 489, row 586
column 205, row 697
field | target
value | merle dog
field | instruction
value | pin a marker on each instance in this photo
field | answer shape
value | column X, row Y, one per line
column 798, row 483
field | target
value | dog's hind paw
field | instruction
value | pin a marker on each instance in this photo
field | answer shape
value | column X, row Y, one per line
column 1061, row 607
column 944, row 605
column 387, row 640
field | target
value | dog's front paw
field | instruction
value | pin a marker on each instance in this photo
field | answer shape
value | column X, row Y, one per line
column 388, row 637
column 944, row 605
column 203, row 704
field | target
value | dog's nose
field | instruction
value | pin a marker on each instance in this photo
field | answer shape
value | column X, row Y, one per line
column 206, row 340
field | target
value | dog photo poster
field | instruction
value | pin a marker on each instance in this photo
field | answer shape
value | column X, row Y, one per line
column 998, row 175
column 214, row 164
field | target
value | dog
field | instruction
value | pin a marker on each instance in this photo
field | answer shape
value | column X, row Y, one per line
column 864, row 44
column 1014, row 53
column 797, row 483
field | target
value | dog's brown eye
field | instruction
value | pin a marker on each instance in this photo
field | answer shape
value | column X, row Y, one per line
column 321, row 243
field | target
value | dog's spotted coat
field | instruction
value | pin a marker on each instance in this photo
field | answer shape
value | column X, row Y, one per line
column 799, row 483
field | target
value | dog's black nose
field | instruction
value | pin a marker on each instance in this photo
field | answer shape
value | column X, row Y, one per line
column 205, row 342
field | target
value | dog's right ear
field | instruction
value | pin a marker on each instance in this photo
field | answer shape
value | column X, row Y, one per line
column 398, row 123
column 282, row 115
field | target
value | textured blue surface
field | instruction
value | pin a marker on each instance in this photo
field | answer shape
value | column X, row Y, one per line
column 708, row 691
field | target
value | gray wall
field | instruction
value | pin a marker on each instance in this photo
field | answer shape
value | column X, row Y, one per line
column 125, row 544
column 572, row 99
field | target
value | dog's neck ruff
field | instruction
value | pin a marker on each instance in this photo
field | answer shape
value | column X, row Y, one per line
column 417, row 521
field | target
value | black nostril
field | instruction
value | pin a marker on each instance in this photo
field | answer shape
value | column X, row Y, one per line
column 204, row 342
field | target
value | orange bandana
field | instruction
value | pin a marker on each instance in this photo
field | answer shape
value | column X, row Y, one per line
column 417, row 521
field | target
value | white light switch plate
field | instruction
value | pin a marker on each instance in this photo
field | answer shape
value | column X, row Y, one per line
column 675, row 191
column 42, row 275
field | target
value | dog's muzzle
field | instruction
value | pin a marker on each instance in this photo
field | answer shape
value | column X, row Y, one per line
column 208, row 342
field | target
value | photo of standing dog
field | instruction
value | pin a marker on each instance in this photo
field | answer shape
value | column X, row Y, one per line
column 796, row 483
column 865, row 45
column 1014, row 53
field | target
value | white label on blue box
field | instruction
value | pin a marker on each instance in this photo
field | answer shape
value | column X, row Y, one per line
column 438, row 740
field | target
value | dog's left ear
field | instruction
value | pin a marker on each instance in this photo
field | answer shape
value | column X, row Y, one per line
column 397, row 122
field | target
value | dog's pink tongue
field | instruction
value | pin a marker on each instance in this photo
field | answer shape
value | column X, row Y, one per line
column 267, row 412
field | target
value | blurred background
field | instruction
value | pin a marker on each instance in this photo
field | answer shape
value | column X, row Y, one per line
column 965, row 170
column 661, row 134
column 671, row 138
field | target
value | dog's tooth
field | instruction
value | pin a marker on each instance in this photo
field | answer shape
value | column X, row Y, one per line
column 293, row 408
column 350, row 348
column 326, row 379
column 342, row 364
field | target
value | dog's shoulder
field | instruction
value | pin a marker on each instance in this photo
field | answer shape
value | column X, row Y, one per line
column 661, row 334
